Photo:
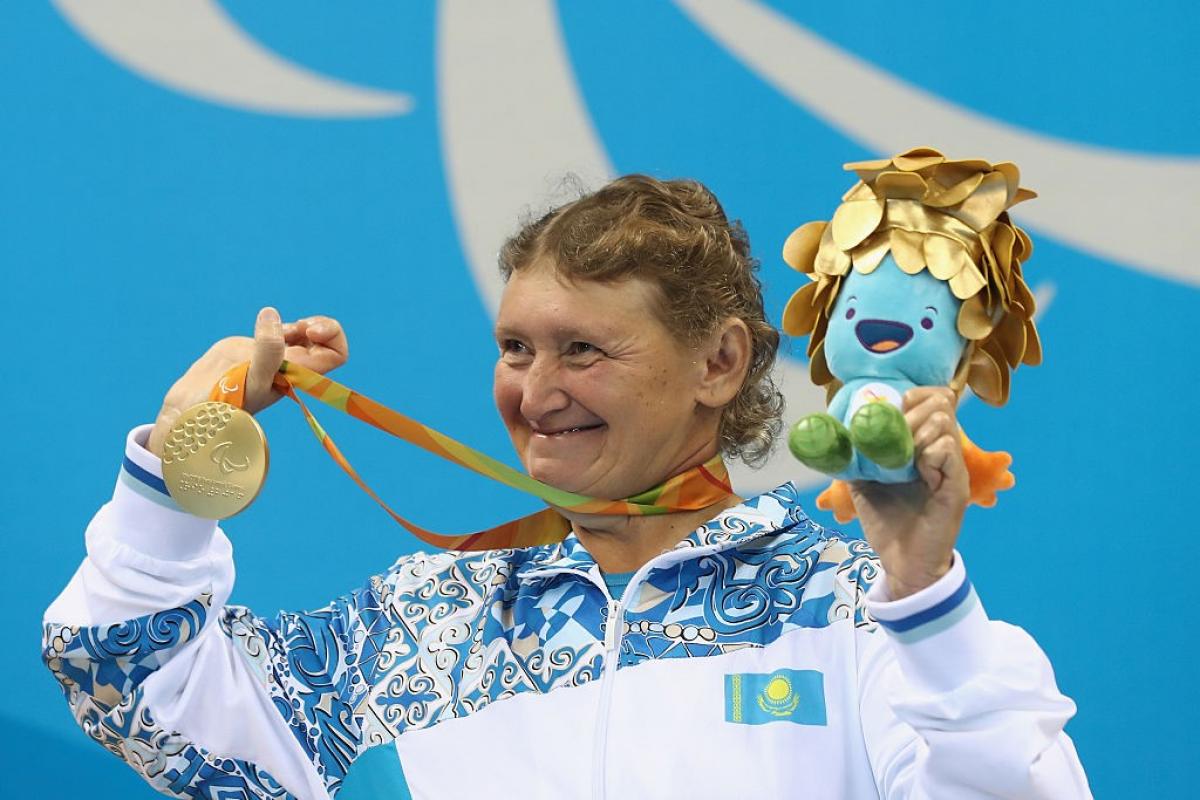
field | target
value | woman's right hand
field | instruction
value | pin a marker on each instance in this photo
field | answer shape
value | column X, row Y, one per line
column 314, row 342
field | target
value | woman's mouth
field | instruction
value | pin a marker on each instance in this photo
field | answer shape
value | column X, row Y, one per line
column 560, row 433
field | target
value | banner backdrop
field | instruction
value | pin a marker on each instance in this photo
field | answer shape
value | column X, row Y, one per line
column 170, row 167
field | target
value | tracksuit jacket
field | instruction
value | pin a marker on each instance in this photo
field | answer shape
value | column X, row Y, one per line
column 760, row 658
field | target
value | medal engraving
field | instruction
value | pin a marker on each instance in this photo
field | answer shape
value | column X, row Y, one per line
column 215, row 460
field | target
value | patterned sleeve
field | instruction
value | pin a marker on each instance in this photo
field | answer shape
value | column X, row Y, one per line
column 241, row 706
column 207, row 700
column 102, row 671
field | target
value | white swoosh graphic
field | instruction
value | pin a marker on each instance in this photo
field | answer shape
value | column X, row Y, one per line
column 194, row 47
column 1139, row 210
column 513, row 122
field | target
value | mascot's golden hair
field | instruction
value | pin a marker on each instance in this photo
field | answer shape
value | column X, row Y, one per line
column 929, row 212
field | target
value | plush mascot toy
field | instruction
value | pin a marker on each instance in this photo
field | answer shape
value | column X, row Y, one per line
column 916, row 281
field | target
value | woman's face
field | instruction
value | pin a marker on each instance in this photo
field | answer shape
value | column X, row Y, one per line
column 598, row 396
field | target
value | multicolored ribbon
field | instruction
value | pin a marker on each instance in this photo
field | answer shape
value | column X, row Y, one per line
column 692, row 490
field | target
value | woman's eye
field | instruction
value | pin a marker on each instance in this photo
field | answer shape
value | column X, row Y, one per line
column 581, row 348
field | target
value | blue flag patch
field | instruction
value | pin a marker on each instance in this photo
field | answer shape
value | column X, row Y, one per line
column 785, row 695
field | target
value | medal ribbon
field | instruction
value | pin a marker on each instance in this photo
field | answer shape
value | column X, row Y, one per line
column 694, row 489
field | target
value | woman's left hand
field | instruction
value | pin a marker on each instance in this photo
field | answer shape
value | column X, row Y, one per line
column 913, row 526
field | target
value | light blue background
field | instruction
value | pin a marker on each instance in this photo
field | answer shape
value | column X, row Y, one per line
column 139, row 225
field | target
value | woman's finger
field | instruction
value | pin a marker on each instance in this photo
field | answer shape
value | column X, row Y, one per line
column 267, row 356
column 932, row 463
column 919, row 407
column 918, row 394
column 316, row 357
column 328, row 332
column 323, row 347
column 295, row 332
column 939, row 423
column 941, row 463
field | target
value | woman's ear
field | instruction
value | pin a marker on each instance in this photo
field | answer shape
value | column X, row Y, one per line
column 726, row 353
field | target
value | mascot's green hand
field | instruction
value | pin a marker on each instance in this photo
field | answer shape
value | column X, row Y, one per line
column 881, row 434
column 822, row 443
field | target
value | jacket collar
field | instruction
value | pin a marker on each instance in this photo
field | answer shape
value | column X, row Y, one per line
column 751, row 519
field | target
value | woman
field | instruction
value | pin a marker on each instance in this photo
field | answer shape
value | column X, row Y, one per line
column 739, row 650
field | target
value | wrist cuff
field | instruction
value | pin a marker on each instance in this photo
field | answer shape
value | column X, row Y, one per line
column 939, row 633
column 146, row 517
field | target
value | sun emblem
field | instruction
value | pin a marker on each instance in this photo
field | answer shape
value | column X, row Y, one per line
column 778, row 699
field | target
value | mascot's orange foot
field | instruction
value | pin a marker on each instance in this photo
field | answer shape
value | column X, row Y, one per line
column 988, row 472
column 836, row 498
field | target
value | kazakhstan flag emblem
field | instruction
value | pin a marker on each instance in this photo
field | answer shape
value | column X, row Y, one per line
column 785, row 695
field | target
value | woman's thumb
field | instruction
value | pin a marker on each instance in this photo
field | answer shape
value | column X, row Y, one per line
column 268, row 353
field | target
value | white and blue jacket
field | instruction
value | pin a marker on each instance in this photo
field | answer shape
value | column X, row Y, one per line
column 752, row 660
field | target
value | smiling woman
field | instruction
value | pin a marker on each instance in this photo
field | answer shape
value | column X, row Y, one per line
column 632, row 657
column 671, row 243
column 574, row 398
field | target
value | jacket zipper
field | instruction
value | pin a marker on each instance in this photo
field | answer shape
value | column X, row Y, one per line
column 612, row 648
column 612, row 645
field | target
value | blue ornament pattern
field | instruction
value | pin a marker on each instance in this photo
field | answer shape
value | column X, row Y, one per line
column 441, row 636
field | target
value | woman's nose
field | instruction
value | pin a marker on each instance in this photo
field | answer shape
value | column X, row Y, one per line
column 542, row 392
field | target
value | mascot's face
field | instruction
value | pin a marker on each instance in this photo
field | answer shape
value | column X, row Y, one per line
column 891, row 325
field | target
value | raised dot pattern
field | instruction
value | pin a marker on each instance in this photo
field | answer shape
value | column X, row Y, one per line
column 195, row 429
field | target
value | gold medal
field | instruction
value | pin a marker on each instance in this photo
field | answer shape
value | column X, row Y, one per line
column 215, row 460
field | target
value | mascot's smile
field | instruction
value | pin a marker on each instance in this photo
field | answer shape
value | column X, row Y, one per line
column 882, row 335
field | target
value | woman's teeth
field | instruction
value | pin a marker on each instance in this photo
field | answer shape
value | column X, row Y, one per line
column 570, row 430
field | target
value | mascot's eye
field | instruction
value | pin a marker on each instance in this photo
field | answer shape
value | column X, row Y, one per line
column 849, row 313
column 927, row 323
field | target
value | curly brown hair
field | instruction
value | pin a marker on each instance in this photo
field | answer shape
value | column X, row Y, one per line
column 675, row 235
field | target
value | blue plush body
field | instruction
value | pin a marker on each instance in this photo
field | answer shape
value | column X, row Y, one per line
column 888, row 332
